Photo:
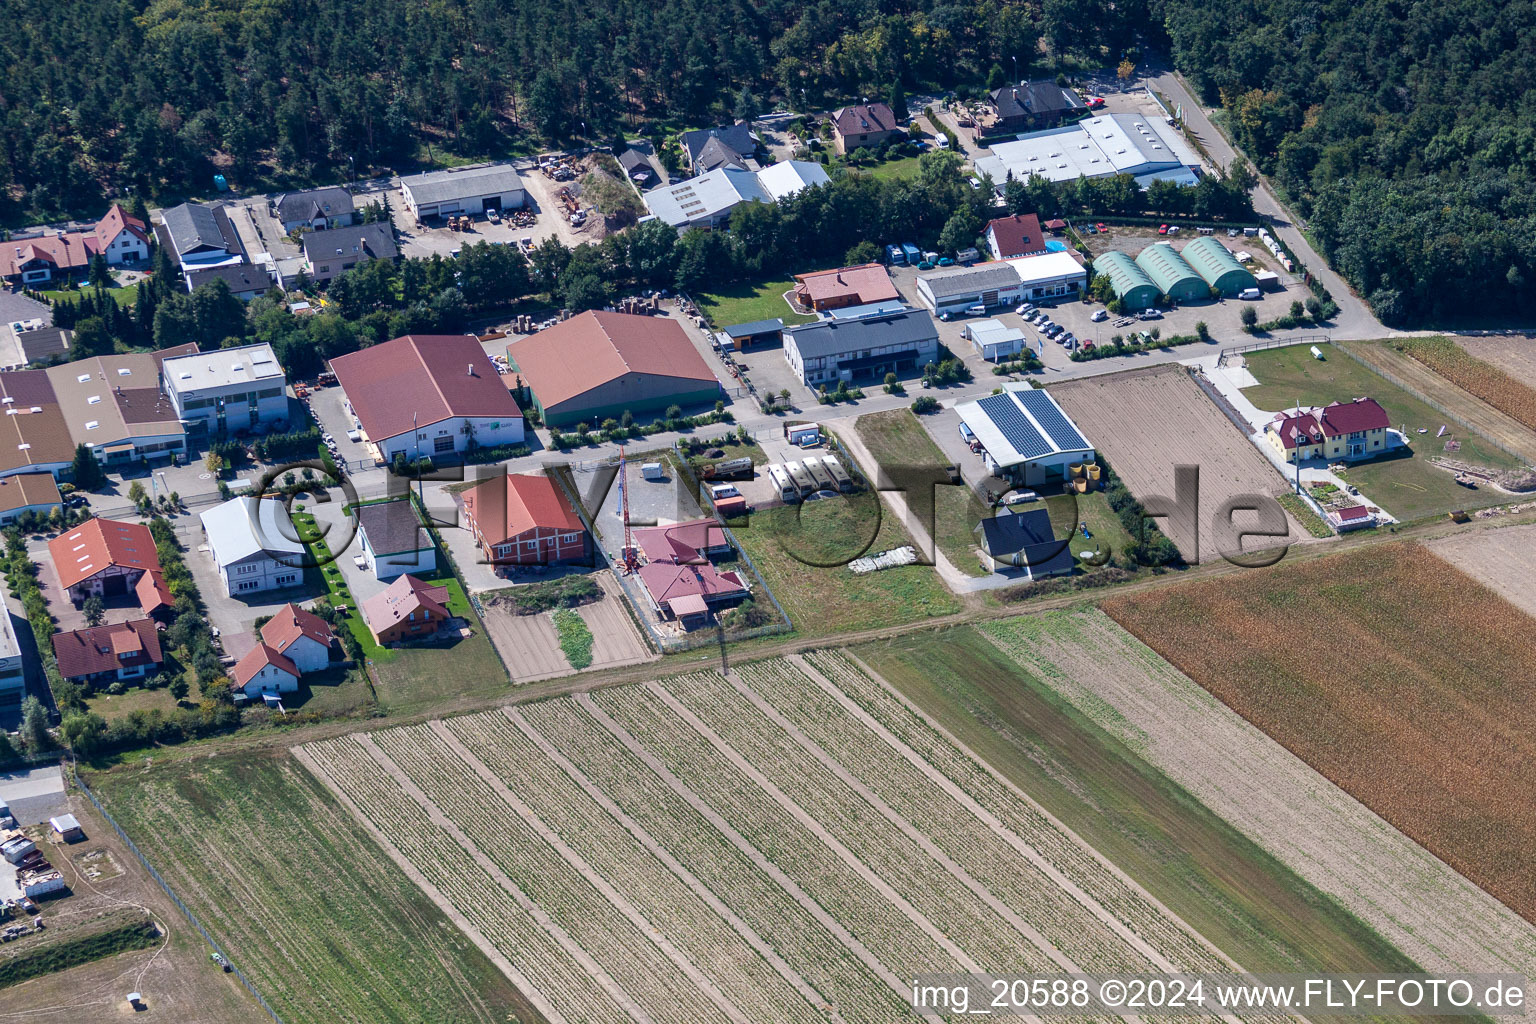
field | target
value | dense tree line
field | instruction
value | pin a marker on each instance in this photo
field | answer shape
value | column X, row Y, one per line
column 1405, row 133
column 158, row 97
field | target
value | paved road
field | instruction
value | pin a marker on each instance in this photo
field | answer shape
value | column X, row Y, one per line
column 1355, row 319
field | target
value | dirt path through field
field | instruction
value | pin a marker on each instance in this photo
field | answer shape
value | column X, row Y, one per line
column 1479, row 415
column 615, row 638
column 1414, row 900
column 1503, row 560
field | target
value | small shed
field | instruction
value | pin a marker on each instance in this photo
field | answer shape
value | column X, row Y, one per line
column 1056, row 226
column 67, row 828
column 755, row 332
column 994, row 340
column 801, row 434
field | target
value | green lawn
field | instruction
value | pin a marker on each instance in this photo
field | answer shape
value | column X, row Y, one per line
column 301, row 899
column 1228, row 889
column 122, row 296
column 1405, row 484
column 799, row 550
column 751, row 300
column 901, row 167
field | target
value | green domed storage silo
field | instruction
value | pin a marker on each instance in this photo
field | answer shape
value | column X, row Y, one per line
column 1132, row 285
column 1171, row 274
column 1217, row 266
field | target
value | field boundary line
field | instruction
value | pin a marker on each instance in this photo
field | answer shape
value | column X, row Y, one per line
column 814, row 827
column 1017, row 842
column 144, row 861
column 650, row 845
column 595, row 878
column 912, row 832
column 573, row 949
column 471, row 932
column 741, row 843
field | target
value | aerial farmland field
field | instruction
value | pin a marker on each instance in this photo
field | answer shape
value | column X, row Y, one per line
column 1516, row 356
column 1147, row 422
column 1398, row 677
column 1502, row 559
column 1329, row 838
column 786, row 844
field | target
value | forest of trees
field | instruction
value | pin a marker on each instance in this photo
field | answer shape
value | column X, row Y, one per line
column 1404, row 134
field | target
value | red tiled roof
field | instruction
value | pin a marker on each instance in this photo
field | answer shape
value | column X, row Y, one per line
column 506, row 506
column 258, row 658
column 113, row 223
column 402, row 597
column 1351, row 513
column 594, row 348
column 290, row 622
column 69, row 250
column 84, row 652
column 152, row 592
column 681, row 542
column 92, row 546
column 1349, row 417
column 862, row 119
column 433, row 376
column 1296, row 429
column 668, row 581
column 1055, row 224
column 1019, row 235
column 867, row 282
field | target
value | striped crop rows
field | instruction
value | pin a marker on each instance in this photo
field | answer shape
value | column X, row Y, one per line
column 789, row 845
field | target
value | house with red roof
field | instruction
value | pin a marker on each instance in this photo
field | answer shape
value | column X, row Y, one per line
column 1341, row 431
column 303, row 637
column 600, row 365
column 264, row 670
column 103, row 557
column 409, row 609
column 845, row 286
column 1019, row 235
column 45, row 256
column 524, row 519
column 428, row 395
column 678, row 576
column 106, row 654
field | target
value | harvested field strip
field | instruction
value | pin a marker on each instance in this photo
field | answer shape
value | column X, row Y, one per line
column 1504, row 560
column 897, row 932
column 279, row 872
column 809, row 939
column 926, row 877
column 676, row 905
column 552, row 970
column 1506, row 394
column 1072, row 921
column 1392, row 884
column 1401, row 679
column 600, row 919
column 1134, row 908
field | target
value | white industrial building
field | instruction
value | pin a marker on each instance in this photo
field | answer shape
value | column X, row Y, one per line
column 1025, row 436
column 231, row 389
column 866, row 349
column 1051, row 275
column 956, row 289
column 1144, row 147
column 13, row 677
column 707, row 200
column 785, row 178
column 469, row 190
column 254, row 544
column 994, row 340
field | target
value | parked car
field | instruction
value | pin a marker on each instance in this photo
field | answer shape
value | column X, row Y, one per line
column 493, row 215
column 925, row 265
column 1101, row 226
column 1173, row 230
column 1099, row 315
column 1231, row 232
column 1151, row 314
column 1250, row 293
column 1095, row 102
column 1025, row 309
column 976, row 310
column 945, row 261
column 1162, row 229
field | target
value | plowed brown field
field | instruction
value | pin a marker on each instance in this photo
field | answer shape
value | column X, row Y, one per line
column 1403, row 680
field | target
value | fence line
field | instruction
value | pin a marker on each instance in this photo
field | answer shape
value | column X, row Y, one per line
column 1306, row 339
column 1434, row 404
column 134, row 848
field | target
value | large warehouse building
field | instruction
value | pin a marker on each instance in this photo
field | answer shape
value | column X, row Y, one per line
column 1026, row 437
column 1049, row 276
column 1217, row 266
column 472, row 189
column 862, row 349
column 1109, row 144
column 1132, row 285
column 956, row 289
column 1173, row 277
column 597, row 366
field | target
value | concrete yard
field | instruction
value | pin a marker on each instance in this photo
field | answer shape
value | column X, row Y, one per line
column 34, row 795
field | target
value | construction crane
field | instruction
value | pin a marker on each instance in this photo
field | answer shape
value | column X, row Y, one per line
column 627, row 554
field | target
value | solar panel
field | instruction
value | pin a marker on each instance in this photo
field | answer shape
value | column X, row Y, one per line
column 1043, row 408
column 1020, row 433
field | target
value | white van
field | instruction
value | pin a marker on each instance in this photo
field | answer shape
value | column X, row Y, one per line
column 1021, row 498
column 1250, row 293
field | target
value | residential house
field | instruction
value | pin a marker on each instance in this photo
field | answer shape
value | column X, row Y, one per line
column 409, row 609
column 394, row 540
column 860, row 285
column 201, row 235
column 1341, row 431
column 705, row 149
column 1022, row 540
column 302, row 637
column 106, row 654
column 102, row 558
column 329, row 254
column 315, row 209
column 231, row 390
column 865, row 124
column 264, row 670
column 1011, row 237
column 1031, row 106
column 638, row 166
column 428, row 395
column 829, row 351
column 254, row 545
column 524, row 519
column 245, row 281
column 43, row 257
column 678, row 576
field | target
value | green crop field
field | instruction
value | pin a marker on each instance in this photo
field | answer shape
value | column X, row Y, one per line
column 793, row 546
column 1405, row 485
column 300, row 897
column 1249, row 904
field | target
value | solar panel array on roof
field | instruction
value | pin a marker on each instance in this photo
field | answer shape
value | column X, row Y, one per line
column 1046, row 413
column 1015, row 426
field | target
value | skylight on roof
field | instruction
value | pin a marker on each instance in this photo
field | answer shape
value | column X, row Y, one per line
column 93, row 400
column 92, row 424
column 123, row 371
column 82, row 378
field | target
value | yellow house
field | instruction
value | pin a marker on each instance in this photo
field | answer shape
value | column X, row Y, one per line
column 1342, row 431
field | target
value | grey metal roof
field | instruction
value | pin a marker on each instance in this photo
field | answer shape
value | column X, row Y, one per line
column 469, row 182
column 738, row 137
column 195, row 225
column 393, row 527
column 839, row 337
column 1025, row 539
column 706, row 196
column 331, row 201
column 376, row 240
column 243, row 278
column 960, row 280
column 752, row 327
